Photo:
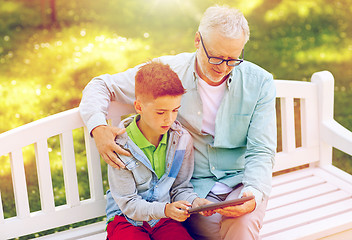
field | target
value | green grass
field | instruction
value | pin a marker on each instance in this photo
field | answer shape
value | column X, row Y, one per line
column 44, row 67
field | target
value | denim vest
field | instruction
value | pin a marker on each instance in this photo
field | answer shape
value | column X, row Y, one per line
column 149, row 187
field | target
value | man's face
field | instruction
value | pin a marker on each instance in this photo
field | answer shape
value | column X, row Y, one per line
column 158, row 114
column 217, row 46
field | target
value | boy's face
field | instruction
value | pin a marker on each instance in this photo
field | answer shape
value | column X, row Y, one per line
column 157, row 114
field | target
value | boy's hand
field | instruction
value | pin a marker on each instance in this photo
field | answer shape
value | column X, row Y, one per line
column 104, row 137
column 200, row 202
column 177, row 210
column 239, row 210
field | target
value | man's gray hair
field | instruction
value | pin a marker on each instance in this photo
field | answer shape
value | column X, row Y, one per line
column 230, row 22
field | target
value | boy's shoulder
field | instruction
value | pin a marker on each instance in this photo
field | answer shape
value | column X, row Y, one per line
column 123, row 138
column 177, row 126
column 181, row 131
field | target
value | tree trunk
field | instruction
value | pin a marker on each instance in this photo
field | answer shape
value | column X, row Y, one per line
column 53, row 11
column 42, row 11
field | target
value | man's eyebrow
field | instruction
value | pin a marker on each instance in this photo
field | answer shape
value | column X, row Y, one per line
column 220, row 56
column 212, row 54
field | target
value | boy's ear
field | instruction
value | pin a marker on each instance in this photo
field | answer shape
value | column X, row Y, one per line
column 137, row 106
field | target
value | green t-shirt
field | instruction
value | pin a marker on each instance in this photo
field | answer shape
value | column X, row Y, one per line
column 155, row 155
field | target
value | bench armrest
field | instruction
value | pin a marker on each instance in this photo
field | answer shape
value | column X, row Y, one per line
column 337, row 136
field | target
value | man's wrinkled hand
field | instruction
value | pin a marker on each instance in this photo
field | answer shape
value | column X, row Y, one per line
column 238, row 210
column 104, row 137
column 200, row 202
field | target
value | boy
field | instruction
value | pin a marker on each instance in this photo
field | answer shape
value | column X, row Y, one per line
column 160, row 166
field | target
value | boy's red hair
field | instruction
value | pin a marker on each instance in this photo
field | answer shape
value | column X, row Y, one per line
column 157, row 80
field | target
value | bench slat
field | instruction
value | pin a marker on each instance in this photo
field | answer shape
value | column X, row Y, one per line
column 301, row 195
column 95, row 231
column 1, row 211
column 99, row 236
column 306, row 217
column 41, row 129
column 69, row 169
column 94, row 168
column 290, row 177
column 305, row 205
column 314, row 230
column 19, row 184
column 309, row 114
column 63, row 215
column 295, row 89
column 338, row 179
column 288, row 125
column 296, row 186
column 300, row 156
column 44, row 176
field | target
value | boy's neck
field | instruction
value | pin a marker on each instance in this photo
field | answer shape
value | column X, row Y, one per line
column 151, row 136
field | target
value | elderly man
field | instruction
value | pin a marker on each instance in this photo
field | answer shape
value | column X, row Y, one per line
column 229, row 109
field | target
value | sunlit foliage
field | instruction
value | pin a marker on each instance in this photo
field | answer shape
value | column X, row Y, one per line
column 45, row 64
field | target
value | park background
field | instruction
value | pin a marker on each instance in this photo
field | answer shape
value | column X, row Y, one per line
column 50, row 49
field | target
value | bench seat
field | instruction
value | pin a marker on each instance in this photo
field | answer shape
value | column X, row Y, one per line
column 309, row 204
column 94, row 231
column 302, row 203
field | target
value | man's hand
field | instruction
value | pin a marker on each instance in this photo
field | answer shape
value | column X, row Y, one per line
column 239, row 210
column 200, row 202
column 177, row 210
column 104, row 137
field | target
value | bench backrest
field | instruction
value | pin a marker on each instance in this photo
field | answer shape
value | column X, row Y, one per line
column 299, row 145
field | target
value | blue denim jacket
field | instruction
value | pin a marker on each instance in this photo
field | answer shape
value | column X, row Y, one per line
column 243, row 148
column 136, row 192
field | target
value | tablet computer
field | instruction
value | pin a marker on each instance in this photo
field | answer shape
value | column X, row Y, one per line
column 213, row 206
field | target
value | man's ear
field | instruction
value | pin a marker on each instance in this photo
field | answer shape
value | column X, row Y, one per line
column 197, row 42
column 137, row 106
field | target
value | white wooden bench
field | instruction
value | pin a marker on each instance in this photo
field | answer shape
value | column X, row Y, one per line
column 310, row 203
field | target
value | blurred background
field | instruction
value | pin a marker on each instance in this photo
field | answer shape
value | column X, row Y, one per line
column 50, row 49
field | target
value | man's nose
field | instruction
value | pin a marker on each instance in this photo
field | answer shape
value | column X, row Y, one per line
column 222, row 67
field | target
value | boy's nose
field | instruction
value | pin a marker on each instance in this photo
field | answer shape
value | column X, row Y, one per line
column 168, row 118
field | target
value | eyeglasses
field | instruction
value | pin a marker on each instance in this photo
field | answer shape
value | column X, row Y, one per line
column 218, row 61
